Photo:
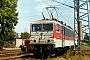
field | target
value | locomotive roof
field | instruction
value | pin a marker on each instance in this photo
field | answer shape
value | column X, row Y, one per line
column 43, row 21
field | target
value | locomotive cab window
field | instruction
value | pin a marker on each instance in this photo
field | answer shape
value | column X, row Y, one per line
column 48, row 27
column 36, row 27
column 42, row 27
column 57, row 27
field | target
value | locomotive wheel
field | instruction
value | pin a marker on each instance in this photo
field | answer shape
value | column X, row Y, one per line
column 31, row 47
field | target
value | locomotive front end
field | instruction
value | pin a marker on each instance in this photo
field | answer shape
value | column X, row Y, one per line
column 42, row 36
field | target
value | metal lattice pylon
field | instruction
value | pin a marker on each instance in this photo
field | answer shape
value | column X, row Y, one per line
column 81, row 13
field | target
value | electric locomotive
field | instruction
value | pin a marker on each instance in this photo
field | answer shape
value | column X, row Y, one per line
column 49, row 37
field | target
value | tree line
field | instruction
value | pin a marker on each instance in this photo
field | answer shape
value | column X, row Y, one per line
column 8, row 19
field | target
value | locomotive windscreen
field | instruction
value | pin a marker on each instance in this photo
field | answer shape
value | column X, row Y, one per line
column 42, row 27
column 47, row 27
column 36, row 27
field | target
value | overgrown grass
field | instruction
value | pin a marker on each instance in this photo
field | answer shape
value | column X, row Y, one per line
column 71, row 56
column 78, row 55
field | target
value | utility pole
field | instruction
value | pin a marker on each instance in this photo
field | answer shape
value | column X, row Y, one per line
column 89, row 20
column 77, row 6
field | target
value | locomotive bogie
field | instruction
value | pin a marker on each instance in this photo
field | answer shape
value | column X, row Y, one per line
column 41, row 49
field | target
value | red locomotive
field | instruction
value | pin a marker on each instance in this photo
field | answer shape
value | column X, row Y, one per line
column 49, row 37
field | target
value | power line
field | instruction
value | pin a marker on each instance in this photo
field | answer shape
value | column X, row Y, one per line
column 65, row 18
column 45, row 14
column 63, row 4
column 46, row 2
column 68, row 5
column 49, row 4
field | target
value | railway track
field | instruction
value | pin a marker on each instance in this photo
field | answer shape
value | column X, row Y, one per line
column 11, row 54
column 14, row 54
column 17, row 55
column 20, row 56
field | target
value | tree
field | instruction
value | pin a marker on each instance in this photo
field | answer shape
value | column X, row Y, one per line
column 11, row 35
column 86, row 36
column 25, row 35
column 8, row 17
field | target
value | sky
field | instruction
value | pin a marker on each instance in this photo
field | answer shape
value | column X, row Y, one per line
column 31, row 10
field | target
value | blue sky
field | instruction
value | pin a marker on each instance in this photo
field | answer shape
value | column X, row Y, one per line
column 30, row 10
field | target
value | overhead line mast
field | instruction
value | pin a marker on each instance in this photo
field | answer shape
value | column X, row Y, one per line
column 81, row 13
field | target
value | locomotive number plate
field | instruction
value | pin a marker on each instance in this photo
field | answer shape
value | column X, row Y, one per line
column 42, row 41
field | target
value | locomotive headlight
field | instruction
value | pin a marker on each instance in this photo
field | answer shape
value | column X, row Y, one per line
column 52, row 40
column 34, row 40
column 31, row 40
column 48, row 40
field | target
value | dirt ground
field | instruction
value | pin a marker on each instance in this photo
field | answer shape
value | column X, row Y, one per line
column 9, row 52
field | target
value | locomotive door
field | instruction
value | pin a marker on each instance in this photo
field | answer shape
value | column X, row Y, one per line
column 63, row 37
